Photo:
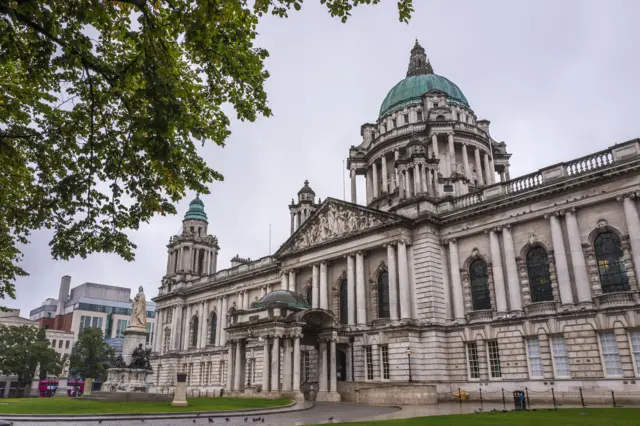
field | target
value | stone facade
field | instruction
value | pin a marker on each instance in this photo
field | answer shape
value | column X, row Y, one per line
column 452, row 275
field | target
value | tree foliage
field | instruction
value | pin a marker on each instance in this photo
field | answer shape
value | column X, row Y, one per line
column 24, row 349
column 91, row 355
column 103, row 103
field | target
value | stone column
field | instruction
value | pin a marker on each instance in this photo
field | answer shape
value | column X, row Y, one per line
column 487, row 168
column 407, row 184
column 245, row 299
column 214, row 264
column 315, row 293
column 513, row 279
column 403, row 281
column 230, row 366
column 393, row 282
column 423, row 178
column 577, row 258
column 349, row 367
column 401, row 190
column 396, row 156
column 292, row 280
column 324, row 302
column 478, row 166
column 452, row 154
column 385, row 184
column 354, row 192
column 633, row 227
column 284, row 280
column 322, row 371
column 263, row 291
column 238, row 379
column 218, row 321
column 296, row 364
column 275, row 364
column 286, row 365
column 416, row 178
column 369, row 182
column 498, row 276
column 265, row 365
column 360, row 291
column 434, row 143
column 351, row 289
column 186, row 329
column 456, row 282
column 333, row 386
column 202, row 326
column 560, row 257
column 293, row 224
column 374, row 174
column 223, row 321
column 465, row 161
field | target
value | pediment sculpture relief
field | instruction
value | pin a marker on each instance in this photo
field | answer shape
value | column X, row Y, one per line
column 336, row 221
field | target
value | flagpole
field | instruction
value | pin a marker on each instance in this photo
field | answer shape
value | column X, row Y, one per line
column 344, row 191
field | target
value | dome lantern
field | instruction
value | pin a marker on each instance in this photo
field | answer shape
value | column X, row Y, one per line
column 196, row 210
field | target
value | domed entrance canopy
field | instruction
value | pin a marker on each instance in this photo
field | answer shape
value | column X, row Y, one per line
column 283, row 298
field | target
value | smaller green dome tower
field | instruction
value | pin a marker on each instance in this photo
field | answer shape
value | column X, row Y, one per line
column 196, row 210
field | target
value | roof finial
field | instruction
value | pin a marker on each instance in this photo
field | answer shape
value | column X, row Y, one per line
column 306, row 182
column 418, row 63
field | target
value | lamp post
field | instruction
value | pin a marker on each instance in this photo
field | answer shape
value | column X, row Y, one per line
column 409, row 358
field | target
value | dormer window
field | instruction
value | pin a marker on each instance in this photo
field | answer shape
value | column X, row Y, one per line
column 435, row 105
column 393, row 123
column 406, row 119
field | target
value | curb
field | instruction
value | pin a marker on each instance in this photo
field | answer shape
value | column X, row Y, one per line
column 158, row 416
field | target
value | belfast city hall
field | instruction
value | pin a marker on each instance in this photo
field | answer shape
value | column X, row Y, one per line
column 452, row 273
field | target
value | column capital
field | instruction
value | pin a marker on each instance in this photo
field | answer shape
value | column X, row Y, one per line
column 447, row 241
column 450, row 133
column 632, row 195
column 494, row 229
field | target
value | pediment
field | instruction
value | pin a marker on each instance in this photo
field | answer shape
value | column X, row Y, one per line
column 335, row 220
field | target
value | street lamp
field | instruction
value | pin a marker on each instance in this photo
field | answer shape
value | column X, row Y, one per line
column 409, row 357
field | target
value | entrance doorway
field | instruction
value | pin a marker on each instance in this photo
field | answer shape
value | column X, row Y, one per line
column 341, row 367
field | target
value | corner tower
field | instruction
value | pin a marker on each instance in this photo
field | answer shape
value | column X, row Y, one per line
column 304, row 208
column 193, row 253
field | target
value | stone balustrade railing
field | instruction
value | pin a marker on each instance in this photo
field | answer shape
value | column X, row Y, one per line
column 467, row 200
column 523, row 183
column 401, row 131
column 237, row 270
column 588, row 163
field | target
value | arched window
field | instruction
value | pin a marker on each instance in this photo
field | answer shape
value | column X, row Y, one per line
column 613, row 272
column 344, row 303
column 194, row 331
column 539, row 277
column 310, row 296
column 214, row 326
column 479, row 281
column 383, row 295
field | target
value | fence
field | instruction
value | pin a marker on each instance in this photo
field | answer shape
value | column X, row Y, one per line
column 194, row 393
column 551, row 398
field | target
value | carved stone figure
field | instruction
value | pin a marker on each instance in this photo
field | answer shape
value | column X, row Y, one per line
column 335, row 222
column 119, row 362
column 140, row 358
column 139, row 311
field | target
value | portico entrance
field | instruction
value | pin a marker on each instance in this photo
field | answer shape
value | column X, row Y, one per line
column 281, row 324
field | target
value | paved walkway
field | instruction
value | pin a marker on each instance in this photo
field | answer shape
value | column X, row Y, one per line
column 321, row 412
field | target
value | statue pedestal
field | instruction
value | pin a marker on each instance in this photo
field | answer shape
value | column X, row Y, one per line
column 133, row 337
column 126, row 380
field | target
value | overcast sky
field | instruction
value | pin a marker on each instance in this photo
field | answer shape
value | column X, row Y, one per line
column 557, row 80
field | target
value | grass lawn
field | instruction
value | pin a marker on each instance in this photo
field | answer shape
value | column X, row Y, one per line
column 562, row 417
column 83, row 406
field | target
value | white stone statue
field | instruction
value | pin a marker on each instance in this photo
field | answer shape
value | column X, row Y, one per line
column 139, row 311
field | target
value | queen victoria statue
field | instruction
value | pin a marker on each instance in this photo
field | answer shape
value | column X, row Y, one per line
column 139, row 311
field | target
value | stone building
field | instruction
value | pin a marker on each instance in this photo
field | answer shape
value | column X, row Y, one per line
column 449, row 274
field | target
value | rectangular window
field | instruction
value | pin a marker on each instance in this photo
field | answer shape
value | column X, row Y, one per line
column 419, row 115
column 494, row 358
column 635, row 349
column 368, row 352
column 610, row 354
column 60, row 344
column 406, row 119
column 560, row 356
column 474, row 364
column 122, row 325
column 96, row 322
column 393, row 123
column 53, row 343
column 85, row 322
column 384, row 355
column 535, row 358
column 67, row 343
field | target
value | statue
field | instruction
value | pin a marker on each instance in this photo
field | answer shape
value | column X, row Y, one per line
column 139, row 311
column 140, row 358
column 119, row 362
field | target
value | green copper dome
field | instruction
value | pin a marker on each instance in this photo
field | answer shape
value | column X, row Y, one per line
column 283, row 298
column 196, row 210
column 410, row 90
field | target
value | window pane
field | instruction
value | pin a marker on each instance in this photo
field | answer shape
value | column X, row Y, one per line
column 369, row 362
column 610, row 353
column 635, row 348
column 214, row 326
column 560, row 356
column 609, row 255
column 535, row 359
column 384, row 350
column 494, row 358
column 344, row 306
column 383, row 295
column 472, row 356
column 479, row 282
column 539, row 277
